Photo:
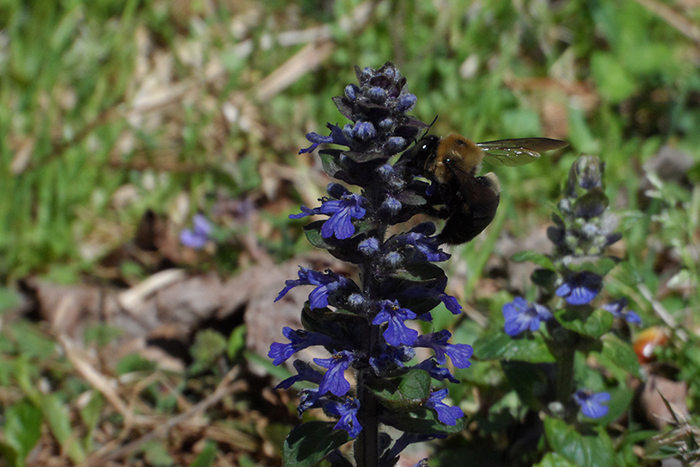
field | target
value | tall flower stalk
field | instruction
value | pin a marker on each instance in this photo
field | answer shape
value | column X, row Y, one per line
column 550, row 339
column 366, row 324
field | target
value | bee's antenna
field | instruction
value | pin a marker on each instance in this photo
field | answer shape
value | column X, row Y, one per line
column 426, row 131
column 429, row 127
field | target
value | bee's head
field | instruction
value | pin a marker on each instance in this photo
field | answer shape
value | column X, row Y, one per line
column 425, row 150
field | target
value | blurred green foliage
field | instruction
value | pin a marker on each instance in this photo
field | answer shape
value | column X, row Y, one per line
column 611, row 78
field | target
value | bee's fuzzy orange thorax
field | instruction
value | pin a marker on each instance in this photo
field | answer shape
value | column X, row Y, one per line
column 455, row 145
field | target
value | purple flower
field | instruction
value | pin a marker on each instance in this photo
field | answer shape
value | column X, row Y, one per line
column 426, row 246
column 397, row 332
column 446, row 414
column 390, row 358
column 327, row 282
column 299, row 340
column 617, row 309
column 336, row 137
column 304, row 373
column 347, row 412
column 459, row 353
column 591, row 403
column 342, row 211
column 435, row 371
column 521, row 317
column 334, row 379
column 438, row 291
column 199, row 235
column 308, row 399
column 580, row 288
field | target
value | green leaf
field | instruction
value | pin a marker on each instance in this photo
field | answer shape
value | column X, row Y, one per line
column 313, row 235
column 419, row 272
column 236, row 343
column 207, row 457
column 529, row 380
column 420, row 420
column 343, row 326
column 208, row 346
column 364, row 156
column 56, row 414
column 628, row 274
column 552, row 459
column 544, row 278
column 592, row 448
column 620, row 354
column 600, row 266
column 32, row 343
column 102, row 334
column 22, row 429
column 540, row 259
column 8, row 299
column 497, row 345
column 613, row 81
column 132, row 363
column 408, row 391
column 309, row 443
column 90, row 415
column 156, row 455
column 593, row 324
column 329, row 160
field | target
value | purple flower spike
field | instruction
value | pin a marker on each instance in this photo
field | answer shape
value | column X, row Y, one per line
column 437, row 341
column 334, row 379
column 199, row 235
column 521, row 317
column 347, row 412
column 617, row 309
column 581, row 288
column 446, row 414
column 397, row 332
column 591, row 404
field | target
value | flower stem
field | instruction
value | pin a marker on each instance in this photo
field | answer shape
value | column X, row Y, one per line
column 366, row 444
column 565, row 374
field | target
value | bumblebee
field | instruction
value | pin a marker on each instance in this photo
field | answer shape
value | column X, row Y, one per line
column 452, row 164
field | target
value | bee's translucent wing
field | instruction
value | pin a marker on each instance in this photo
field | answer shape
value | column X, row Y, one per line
column 520, row 151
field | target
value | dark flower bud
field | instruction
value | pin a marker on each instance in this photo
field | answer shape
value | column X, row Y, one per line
column 386, row 124
column 556, row 235
column 396, row 144
column 369, row 246
column 386, row 171
column 392, row 205
column 348, row 131
column 364, row 131
column 351, row 91
column 406, row 103
column 356, row 300
column 336, row 190
column 393, row 259
column 377, row 95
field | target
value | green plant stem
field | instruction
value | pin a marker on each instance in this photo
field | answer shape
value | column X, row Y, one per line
column 565, row 375
column 366, row 444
